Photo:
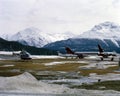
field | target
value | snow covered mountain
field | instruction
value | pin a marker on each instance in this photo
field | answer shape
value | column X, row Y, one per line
column 35, row 37
column 106, row 30
column 31, row 36
column 106, row 34
column 61, row 36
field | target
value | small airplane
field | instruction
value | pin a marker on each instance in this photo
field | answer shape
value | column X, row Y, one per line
column 100, row 54
column 106, row 54
column 24, row 55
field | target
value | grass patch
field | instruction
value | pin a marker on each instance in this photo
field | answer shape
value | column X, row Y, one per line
column 8, row 74
column 105, row 85
column 39, row 65
column 36, row 65
column 66, row 67
column 86, row 72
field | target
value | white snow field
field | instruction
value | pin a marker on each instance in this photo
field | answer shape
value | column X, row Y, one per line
column 26, row 85
column 45, row 56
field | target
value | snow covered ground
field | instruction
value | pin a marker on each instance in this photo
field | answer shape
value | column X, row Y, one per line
column 100, row 65
column 45, row 56
column 10, row 56
column 26, row 85
column 56, row 63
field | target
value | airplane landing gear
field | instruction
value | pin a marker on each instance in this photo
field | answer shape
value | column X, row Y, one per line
column 101, row 59
column 112, row 59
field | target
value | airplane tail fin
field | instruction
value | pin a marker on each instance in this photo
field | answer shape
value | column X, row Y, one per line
column 100, row 48
column 69, row 51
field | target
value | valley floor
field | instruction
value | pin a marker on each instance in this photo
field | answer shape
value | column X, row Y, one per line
column 58, row 76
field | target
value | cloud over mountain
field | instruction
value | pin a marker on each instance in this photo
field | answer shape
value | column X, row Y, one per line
column 56, row 16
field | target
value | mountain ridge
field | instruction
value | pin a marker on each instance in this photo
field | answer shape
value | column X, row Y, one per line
column 35, row 37
column 104, row 30
column 16, row 46
column 106, row 34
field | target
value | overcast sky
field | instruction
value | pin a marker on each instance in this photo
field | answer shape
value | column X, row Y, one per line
column 55, row 16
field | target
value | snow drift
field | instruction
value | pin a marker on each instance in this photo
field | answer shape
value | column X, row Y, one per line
column 25, row 84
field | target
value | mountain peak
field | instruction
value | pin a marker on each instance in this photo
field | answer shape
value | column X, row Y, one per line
column 31, row 36
column 30, row 30
column 106, row 30
column 34, row 37
column 106, row 26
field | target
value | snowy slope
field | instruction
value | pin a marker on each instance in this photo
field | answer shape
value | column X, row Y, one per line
column 61, row 36
column 35, row 37
column 26, row 83
column 106, row 30
column 31, row 36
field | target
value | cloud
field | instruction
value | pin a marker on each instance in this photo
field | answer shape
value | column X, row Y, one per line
column 56, row 15
column 116, row 3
